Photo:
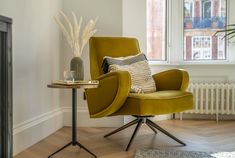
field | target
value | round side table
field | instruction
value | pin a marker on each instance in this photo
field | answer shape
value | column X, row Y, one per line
column 74, row 88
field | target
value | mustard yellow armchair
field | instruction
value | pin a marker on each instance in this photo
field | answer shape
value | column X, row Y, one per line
column 113, row 96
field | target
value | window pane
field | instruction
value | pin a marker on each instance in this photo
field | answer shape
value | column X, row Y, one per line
column 156, row 29
column 202, row 18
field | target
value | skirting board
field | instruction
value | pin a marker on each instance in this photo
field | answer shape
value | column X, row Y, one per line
column 205, row 117
column 84, row 120
column 27, row 133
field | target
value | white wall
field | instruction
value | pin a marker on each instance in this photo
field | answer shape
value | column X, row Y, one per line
column 39, row 56
column 109, row 23
column 134, row 21
column 36, row 61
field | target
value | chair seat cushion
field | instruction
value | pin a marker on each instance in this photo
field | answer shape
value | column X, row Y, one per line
column 157, row 103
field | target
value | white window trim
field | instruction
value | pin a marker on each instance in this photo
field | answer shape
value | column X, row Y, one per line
column 168, row 38
column 175, row 39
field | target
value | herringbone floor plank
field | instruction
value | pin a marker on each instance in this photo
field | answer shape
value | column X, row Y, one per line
column 198, row 135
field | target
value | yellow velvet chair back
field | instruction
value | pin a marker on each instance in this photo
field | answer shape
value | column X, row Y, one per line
column 103, row 46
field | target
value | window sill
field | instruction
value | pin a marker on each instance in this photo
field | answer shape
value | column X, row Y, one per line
column 159, row 63
column 193, row 63
column 208, row 63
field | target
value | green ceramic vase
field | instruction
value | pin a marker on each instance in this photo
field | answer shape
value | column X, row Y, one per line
column 76, row 65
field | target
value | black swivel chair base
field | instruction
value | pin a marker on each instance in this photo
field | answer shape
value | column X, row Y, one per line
column 139, row 120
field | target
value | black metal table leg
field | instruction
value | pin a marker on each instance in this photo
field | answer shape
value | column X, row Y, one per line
column 74, row 141
column 83, row 147
column 60, row 149
column 74, row 116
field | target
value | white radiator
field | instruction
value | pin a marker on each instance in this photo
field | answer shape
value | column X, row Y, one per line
column 213, row 98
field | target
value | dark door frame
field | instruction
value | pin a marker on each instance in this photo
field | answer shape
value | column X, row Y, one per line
column 6, row 131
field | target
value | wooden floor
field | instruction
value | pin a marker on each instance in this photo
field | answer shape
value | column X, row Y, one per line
column 198, row 135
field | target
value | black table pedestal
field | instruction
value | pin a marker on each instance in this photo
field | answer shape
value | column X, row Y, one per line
column 74, row 141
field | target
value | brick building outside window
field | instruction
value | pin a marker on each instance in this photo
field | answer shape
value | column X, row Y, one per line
column 202, row 18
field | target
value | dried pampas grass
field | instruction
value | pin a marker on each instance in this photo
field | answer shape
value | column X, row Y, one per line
column 71, row 32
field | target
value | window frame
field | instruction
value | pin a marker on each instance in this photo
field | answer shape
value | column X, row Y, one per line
column 175, row 38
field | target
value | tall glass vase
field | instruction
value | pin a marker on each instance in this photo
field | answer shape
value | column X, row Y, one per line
column 76, row 65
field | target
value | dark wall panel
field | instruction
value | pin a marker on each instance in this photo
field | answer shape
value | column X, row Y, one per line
column 5, row 87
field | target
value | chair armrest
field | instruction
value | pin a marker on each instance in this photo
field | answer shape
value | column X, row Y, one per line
column 113, row 90
column 175, row 79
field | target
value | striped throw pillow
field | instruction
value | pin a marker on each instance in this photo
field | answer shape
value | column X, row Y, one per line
column 137, row 66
